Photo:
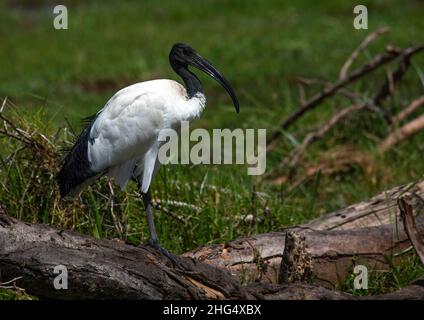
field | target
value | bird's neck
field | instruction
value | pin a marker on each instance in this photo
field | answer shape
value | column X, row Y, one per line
column 192, row 83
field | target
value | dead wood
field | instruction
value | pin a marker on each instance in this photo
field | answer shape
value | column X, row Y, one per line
column 407, row 214
column 103, row 269
column 332, row 245
column 410, row 109
column 363, row 45
column 394, row 78
column 296, row 262
column 376, row 62
column 378, row 210
column 335, row 161
column 112, row 269
column 297, row 154
column 399, row 135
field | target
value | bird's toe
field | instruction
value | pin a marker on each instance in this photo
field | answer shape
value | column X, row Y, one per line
column 173, row 258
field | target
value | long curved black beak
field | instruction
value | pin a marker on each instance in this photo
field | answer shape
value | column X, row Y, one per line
column 204, row 65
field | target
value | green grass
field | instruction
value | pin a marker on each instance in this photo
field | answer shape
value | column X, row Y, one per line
column 15, row 294
column 261, row 47
column 384, row 281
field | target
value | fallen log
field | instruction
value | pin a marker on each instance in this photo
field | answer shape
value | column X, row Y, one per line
column 112, row 269
column 103, row 269
column 325, row 257
column 332, row 243
column 329, row 257
column 378, row 210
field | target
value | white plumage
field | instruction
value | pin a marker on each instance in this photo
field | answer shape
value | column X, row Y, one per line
column 125, row 132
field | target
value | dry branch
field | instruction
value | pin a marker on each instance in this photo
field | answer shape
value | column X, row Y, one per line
column 407, row 214
column 291, row 162
column 378, row 210
column 375, row 63
column 388, row 87
column 409, row 129
column 297, row 154
column 393, row 79
column 364, row 44
column 410, row 109
column 349, row 94
column 328, row 91
column 331, row 163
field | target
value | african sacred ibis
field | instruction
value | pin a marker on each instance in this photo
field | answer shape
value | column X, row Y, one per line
column 121, row 140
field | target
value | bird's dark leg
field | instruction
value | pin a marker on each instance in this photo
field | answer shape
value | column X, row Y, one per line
column 154, row 241
column 147, row 200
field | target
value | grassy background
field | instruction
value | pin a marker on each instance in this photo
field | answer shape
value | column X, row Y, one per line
column 56, row 78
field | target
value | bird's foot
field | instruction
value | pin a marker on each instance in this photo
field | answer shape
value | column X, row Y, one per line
column 166, row 253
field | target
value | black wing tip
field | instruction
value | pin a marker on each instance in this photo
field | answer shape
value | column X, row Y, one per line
column 64, row 188
column 76, row 168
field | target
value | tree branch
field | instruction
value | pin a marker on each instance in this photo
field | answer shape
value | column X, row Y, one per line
column 364, row 44
column 376, row 62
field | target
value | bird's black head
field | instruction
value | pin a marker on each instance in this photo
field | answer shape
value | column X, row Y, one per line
column 182, row 55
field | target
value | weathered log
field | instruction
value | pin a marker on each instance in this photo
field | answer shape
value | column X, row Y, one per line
column 407, row 214
column 258, row 258
column 378, row 210
column 111, row 269
column 103, row 269
column 327, row 257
